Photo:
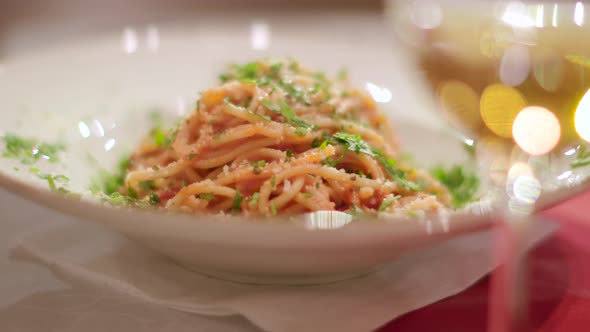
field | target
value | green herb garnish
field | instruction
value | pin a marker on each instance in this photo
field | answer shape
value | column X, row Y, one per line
column 110, row 183
column 342, row 75
column 582, row 159
column 283, row 109
column 295, row 92
column 237, row 206
column 147, row 185
column 254, row 199
column 387, row 203
column 154, row 199
column 273, row 182
column 300, row 131
column 273, row 208
column 207, row 196
column 315, row 143
column 289, row 154
column 30, row 150
column 260, row 163
column 307, row 195
column 131, row 192
column 354, row 143
column 356, row 211
column 462, row 185
column 357, row 144
column 332, row 162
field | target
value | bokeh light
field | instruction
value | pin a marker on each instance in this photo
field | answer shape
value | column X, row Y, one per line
column 582, row 117
column 426, row 14
column 461, row 103
column 527, row 189
column 260, row 36
column 499, row 106
column 579, row 14
column 548, row 71
column 129, row 41
column 516, row 15
column 515, row 65
column 379, row 94
column 536, row 130
column 522, row 184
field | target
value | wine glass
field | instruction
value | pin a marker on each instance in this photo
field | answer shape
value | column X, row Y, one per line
column 514, row 77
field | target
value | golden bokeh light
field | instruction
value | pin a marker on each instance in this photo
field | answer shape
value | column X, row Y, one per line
column 499, row 106
column 582, row 117
column 536, row 130
column 461, row 103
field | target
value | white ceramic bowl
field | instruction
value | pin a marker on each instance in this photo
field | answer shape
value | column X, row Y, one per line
column 108, row 84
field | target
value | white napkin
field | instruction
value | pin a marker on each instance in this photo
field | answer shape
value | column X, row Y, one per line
column 88, row 255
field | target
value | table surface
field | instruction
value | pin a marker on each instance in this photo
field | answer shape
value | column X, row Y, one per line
column 559, row 285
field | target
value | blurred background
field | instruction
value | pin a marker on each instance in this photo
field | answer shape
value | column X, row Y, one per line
column 28, row 25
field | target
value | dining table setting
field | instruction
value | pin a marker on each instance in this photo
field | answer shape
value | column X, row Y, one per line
column 260, row 165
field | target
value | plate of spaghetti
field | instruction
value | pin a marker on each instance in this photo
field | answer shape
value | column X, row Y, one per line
column 274, row 139
column 275, row 172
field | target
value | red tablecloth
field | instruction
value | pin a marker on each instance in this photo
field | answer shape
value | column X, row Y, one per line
column 559, row 284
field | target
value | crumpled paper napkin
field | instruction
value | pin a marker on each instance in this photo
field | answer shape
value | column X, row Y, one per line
column 88, row 255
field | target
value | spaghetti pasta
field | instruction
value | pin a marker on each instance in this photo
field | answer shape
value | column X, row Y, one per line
column 276, row 138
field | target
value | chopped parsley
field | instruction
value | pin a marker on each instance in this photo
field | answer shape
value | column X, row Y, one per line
column 237, row 205
column 289, row 154
column 158, row 134
column 260, row 163
column 300, row 131
column 273, row 208
column 147, row 185
column 54, row 181
column 117, row 199
column 332, row 162
column 342, row 75
column 244, row 73
column 273, row 182
column 354, row 143
column 316, row 142
column 254, row 199
column 110, row 183
column 30, row 150
column 295, row 92
column 207, row 196
column 131, row 192
column 582, row 159
column 191, row 156
column 356, row 211
column 154, row 199
column 357, row 144
column 307, row 195
column 257, row 165
column 275, row 70
column 283, row 109
column 262, row 116
column 387, row 203
column 462, row 185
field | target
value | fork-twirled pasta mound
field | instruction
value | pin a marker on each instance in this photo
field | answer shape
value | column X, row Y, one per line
column 276, row 138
